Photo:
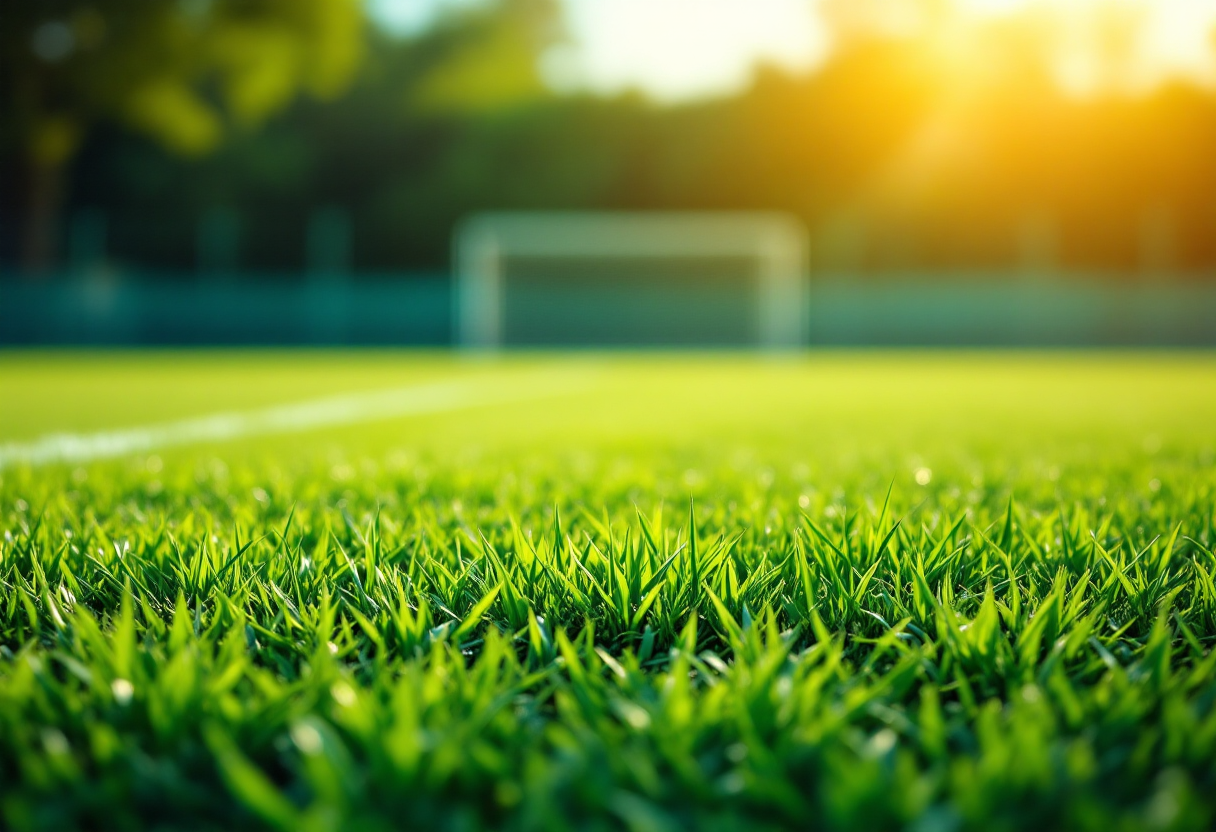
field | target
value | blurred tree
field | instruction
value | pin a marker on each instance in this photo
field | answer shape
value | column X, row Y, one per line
column 487, row 57
column 921, row 142
column 183, row 72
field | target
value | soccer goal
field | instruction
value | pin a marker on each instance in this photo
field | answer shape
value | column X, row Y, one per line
column 603, row 279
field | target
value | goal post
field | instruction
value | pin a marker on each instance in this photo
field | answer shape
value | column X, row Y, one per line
column 583, row 277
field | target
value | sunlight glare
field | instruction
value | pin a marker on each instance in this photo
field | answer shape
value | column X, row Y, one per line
column 675, row 50
column 680, row 49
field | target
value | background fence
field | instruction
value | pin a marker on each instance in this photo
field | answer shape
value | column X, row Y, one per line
column 896, row 309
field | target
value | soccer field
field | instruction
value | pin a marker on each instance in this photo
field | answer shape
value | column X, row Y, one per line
column 935, row 591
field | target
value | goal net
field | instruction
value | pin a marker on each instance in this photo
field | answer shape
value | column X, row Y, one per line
column 603, row 279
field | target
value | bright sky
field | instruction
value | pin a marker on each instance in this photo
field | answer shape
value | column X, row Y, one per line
column 1174, row 38
column 681, row 49
column 678, row 49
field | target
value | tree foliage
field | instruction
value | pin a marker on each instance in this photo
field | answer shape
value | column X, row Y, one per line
column 184, row 73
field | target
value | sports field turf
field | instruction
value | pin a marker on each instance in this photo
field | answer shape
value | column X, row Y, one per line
column 844, row 591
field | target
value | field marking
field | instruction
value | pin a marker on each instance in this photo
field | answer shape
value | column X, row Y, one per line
column 331, row 411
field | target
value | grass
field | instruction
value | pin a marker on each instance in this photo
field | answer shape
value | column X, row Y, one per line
column 853, row 592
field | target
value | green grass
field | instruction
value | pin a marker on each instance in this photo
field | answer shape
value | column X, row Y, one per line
column 930, row 592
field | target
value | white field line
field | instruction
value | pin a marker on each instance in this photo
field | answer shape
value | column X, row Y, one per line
column 347, row 409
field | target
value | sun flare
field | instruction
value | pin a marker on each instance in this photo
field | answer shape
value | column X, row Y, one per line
column 675, row 49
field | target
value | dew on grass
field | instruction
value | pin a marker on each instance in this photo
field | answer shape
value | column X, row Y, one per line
column 307, row 738
column 343, row 694
column 123, row 690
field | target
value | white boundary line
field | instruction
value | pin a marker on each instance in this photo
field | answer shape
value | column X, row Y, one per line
column 347, row 409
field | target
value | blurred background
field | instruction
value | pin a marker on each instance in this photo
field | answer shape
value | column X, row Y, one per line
column 967, row 172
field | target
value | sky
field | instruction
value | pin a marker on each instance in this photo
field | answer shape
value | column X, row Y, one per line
column 677, row 50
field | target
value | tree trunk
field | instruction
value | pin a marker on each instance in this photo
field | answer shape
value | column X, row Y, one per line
column 40, row 242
